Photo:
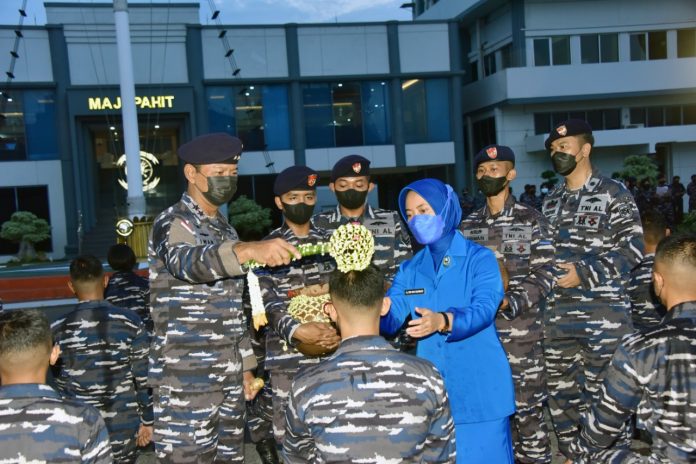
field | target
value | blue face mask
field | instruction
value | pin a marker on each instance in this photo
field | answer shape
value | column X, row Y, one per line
column 429, row 229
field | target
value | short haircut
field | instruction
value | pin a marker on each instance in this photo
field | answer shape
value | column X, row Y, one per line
column 360, row 289
column 654, row 226
column 86, row 268
column 586, row 138
column 23, row 331
column 677, row 249
column 121, row 258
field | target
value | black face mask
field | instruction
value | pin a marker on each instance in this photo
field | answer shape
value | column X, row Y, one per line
column 491, row 186
column 299, row 213
column 564, row 163
column 221, row 189
column 351, row 199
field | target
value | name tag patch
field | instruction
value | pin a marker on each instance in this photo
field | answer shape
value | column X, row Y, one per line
column 476, row 235
column 415, row 291
column 522, row 233
column 595, row 204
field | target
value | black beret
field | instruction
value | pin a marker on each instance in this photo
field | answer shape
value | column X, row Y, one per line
column 494, row 153
column 295, row 178
column 212, row 148
column 566, row 129
column 350, row 166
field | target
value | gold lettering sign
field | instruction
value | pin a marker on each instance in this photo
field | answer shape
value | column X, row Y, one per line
column 142, row 102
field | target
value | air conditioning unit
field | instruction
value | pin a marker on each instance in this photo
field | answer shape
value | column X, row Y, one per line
column 634, row 126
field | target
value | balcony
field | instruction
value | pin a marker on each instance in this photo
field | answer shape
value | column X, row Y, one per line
column 581, row 81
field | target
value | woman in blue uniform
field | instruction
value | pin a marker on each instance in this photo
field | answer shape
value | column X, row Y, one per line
column 452, row 289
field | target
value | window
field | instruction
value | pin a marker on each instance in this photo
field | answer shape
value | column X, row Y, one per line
column 31, row 198
column 686, row 43
column 649, row 46
column 637, row 116
column 346, row 114
column 689, row 114
column 258, row 115
column 655, row 116
column 483, row 133
column 673, row 116
column 602, row 119
column 423, row 103
column 559, row 48
column 473, row 70
column 28, row 126
column 599, row 48
column 506, row 56
column 489, row 64
column 542, row 123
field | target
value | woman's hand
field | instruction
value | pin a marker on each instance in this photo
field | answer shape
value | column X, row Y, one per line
column 429, row 322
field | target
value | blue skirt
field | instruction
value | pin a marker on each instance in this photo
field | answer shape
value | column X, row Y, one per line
column 484, row 442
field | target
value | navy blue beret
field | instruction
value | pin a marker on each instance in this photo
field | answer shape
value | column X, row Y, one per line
column 566, row 129
column 350, row 166
column 494, row 153
column 212, row 148
column 295, row 178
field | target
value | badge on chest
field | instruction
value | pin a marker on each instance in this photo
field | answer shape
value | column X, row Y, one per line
column 476, row 235
column 594, row 204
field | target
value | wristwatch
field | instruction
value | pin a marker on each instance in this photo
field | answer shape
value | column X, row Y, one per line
column 445, row 329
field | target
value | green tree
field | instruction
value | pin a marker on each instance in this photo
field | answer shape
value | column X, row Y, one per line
column 249, row 218
column 641, row 167
column 549, row 176
column 26, row 229
column 688, row 224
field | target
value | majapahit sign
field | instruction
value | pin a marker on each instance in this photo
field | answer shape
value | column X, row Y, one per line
column 142, row 102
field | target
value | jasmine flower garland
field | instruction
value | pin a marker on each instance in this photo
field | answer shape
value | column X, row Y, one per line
column 351, row 245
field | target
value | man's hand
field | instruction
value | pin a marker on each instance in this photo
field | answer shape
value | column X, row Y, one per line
column 248, row 380
column 571, row 279
column 505, row 304
column 318, row 333
column 429, row 322
column 144, row 435
column 275, row 252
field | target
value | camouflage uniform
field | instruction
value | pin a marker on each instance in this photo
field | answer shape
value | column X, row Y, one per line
column 38, row 425
column 597, row 228
column 392, row 243
column 369, row 403
column 652, row 373
column 131, row 291
column 201, row 344
column 104, row 363
column 278, row 285
column 521, row 235
column 646, row 309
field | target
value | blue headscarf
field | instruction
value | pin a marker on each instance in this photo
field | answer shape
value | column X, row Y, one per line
column 444, row 202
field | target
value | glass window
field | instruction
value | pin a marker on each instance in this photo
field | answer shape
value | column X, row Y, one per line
column 612, row 119
column 506, row 56
column 347, row 114
column 673, row 116
column 40, row 124
column 657, row 45
column 248, row 114
column 594, row 119
column 376, row 120
column 33, row 199
column 221, row 110
column 589, row 48
column 637, row 115
column 489, row 64
column 557, row 118
column 414, row 110
column 473, row 70
column 542, row 123
column 638, row 49
column 690, row 114
column 12, row 145
column 276, row 117
column 609, row 47
column 483, row 133
column 577, row 115
column 318, row 114
column 561, row 50
column 655, row 117
column 541, row 52
column 686, row 43
column 437, row 99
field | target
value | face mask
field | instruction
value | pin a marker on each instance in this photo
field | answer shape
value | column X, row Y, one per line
column 544, row 191
column 491, row 186
column 351, row 199
column 564, row 163
column 221, row 189
column 429, row 229
column 299, row 213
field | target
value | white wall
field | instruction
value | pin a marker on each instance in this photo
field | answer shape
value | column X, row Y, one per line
column 49, row 173
column 34, row 62
column 254, row 163
column 497, row 30
column 323, row 159
column 259, row 52
column 447, row 9
column 343, row 50
column 425, row 154
column 424, row 47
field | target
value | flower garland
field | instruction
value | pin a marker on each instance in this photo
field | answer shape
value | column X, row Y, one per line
column 351, row 245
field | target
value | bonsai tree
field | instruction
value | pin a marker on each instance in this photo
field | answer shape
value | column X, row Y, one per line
column 640, row 167
column 26, row 229
column 249, row 218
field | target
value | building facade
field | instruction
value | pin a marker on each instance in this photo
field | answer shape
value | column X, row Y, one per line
column 416, row 98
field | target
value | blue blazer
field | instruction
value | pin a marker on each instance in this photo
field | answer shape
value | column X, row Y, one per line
column 471, row 359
